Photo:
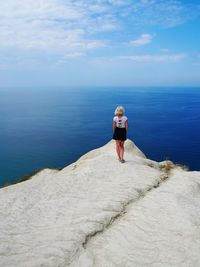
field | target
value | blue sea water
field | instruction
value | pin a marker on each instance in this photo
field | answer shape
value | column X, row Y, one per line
column 53, row 127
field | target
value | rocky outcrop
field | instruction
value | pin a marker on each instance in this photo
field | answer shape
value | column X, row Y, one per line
column 100, row 212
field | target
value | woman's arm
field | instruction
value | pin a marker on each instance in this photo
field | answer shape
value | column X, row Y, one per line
column 114, row 125
column 126, row 125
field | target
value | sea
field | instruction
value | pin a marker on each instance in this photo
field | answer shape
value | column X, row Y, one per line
column 51, row 127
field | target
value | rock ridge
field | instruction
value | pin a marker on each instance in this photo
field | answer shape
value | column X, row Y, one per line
column 99, row 212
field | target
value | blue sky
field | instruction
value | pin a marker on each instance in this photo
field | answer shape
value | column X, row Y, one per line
column 108, row 42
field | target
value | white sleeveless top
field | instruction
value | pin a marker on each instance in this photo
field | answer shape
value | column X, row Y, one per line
column 120, row 122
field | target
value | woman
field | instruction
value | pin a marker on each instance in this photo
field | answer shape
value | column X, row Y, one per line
column 120, row 128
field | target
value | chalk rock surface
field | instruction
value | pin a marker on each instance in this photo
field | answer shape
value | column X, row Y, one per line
column 103, row 213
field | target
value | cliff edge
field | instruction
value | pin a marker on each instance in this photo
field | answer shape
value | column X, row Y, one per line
column 102, row 213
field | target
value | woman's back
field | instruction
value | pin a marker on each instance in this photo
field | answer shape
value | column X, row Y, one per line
column 120, row 121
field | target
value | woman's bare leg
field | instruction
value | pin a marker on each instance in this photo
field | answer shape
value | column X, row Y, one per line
column 122, row 150
column 118, row 148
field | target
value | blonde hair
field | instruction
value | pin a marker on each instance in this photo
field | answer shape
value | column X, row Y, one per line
column 119, row 109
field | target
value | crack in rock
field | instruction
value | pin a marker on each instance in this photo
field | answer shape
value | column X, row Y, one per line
column 142, row 193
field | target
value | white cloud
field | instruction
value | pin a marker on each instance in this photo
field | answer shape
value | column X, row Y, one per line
column 145, row 58
column 144, row 39
column 50, row 25
column 73, row 27
column 119, row 2
column 58, row 24
column 70, row 56
column 164, row 50
column 154, row 58
column 161, row 13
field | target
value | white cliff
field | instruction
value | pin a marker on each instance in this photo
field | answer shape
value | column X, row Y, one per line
column 103, row 213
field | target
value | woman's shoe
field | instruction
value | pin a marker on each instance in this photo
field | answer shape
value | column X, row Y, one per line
column 122, row 161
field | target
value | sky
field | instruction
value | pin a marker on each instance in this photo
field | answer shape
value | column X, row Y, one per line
column 99, row 43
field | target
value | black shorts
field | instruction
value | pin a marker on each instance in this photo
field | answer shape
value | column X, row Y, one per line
column 119, row 134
